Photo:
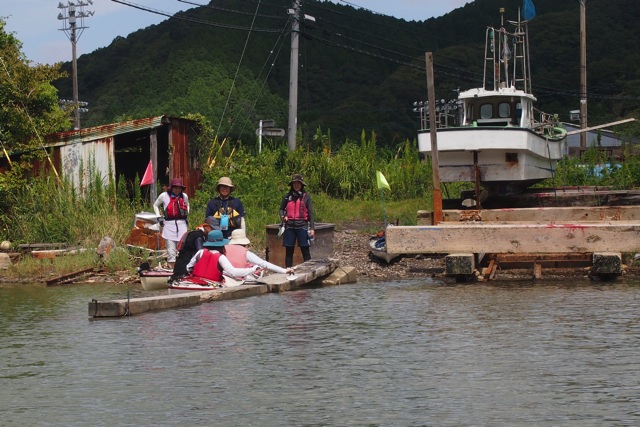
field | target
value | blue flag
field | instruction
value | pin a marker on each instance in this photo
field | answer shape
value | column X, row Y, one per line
column 528, row 10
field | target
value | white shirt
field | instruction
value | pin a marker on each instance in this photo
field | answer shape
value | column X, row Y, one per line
column 173, row 228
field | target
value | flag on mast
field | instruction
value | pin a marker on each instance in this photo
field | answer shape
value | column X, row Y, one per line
column 382, row 181
column 148, row 175
column 528, row 10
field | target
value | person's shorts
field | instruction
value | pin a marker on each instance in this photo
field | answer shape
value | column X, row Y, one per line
column 291, row 235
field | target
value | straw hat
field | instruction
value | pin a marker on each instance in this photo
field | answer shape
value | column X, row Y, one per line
column 225, row 181
column 215, row 239
column 239, row 237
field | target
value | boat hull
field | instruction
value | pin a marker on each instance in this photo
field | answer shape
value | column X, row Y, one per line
column 153, row 280
column 509, row 159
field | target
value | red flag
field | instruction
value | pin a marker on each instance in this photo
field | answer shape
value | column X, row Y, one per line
column 148, row 175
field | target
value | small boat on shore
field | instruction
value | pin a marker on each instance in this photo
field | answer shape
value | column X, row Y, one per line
column 497, row 139
column 378, row 248
column 153, row 279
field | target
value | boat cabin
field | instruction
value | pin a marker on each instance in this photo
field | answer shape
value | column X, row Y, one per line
column 495, row 110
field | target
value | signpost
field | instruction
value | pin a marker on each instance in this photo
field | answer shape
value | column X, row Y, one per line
column 271, row 132
column 266, row 128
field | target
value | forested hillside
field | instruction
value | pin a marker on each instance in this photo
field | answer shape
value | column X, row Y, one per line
column 358, row 70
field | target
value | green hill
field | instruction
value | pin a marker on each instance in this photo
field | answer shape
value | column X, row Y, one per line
column 358, row 70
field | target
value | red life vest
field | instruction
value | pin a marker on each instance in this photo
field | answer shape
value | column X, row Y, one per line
column 177, row 208
column 207, row 266
column 297, row 209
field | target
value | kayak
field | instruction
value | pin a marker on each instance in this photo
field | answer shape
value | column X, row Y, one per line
column 153, row 279
column 199, row 284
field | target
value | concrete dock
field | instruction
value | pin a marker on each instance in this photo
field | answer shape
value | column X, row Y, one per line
column 314, row 272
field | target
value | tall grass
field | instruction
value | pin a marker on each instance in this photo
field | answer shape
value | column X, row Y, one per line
column 342, row 184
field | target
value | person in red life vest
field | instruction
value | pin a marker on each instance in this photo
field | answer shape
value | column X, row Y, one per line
column 224, row 210
column 211, row 263
column 175, row 207
column 190, row 243
column 296, row 213
column 238, row 253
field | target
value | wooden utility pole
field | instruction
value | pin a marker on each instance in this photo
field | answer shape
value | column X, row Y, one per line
column 435, row 164
column 583, row 73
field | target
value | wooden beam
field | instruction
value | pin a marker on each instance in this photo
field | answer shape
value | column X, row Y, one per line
column 551, row 214
column 606, row 125
column 618, row 236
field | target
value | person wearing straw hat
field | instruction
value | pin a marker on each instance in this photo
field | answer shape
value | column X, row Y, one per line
column 296, row 213
column 175, row 207
column 211, row 263
column 224, row 210
column 238, row 253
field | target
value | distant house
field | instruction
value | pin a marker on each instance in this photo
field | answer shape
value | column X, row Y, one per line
column 128, row 146
column 606, row 140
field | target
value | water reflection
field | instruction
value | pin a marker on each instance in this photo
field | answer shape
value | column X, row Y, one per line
column 415, row 352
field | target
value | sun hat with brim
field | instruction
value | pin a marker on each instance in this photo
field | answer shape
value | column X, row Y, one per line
column 225, row 180
column 239, row 237
column 176, row 182
column 297, row 178
column 215, row 239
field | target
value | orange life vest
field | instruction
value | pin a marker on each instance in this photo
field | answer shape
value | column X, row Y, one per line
column 237, row 255
column 297, row 209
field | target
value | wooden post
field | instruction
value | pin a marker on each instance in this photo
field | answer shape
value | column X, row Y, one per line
column 435, row 164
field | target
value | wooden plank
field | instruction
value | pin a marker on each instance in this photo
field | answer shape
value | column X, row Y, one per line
column 551, row 214
column 618, row 236
column 65, row 278
column 306, row 273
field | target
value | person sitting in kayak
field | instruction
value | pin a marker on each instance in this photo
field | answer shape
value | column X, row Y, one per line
column 238, row 253
column 190, row 243
column 210, row 262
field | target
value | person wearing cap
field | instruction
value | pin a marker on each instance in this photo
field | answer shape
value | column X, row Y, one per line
column 175, row 207
column 225, row 211
column 296, row 213
column 238, row 253
column 211, row 263
column 190, row 243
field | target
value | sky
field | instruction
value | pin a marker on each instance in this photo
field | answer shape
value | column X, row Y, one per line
column 35, row 23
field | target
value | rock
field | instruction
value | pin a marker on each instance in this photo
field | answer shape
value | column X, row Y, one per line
column 5, row 245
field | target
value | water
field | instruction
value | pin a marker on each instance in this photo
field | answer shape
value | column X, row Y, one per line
column 404, row 353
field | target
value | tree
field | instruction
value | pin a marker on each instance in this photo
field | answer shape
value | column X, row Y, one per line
column 28, row 101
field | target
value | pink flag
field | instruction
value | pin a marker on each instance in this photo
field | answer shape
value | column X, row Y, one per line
column 148, row 175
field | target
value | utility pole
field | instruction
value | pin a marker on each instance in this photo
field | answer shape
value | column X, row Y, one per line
column 293, row 75
column 583, row 73
column 70, row 15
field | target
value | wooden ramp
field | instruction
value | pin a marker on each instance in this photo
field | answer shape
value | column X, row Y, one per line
column 306, row 273
column 550, row 237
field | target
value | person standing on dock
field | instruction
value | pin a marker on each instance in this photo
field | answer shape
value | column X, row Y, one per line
column 240, row 256
column 175, row 205
column 296, row 213
column 224, row 210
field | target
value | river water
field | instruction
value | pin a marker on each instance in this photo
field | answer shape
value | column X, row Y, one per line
column 405, row 353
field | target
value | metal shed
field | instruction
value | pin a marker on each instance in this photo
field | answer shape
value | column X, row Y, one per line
column 124, row 149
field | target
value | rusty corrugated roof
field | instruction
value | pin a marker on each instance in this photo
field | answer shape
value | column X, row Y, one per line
column 106, row 131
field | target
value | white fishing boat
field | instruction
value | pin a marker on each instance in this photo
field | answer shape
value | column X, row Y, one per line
column 499, row 140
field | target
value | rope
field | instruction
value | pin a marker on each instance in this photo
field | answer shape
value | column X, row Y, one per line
column 235, row 77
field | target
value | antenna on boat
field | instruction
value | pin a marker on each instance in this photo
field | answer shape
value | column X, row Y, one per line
column 502, row 10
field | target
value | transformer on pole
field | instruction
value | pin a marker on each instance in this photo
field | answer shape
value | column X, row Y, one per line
column 72, row 17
